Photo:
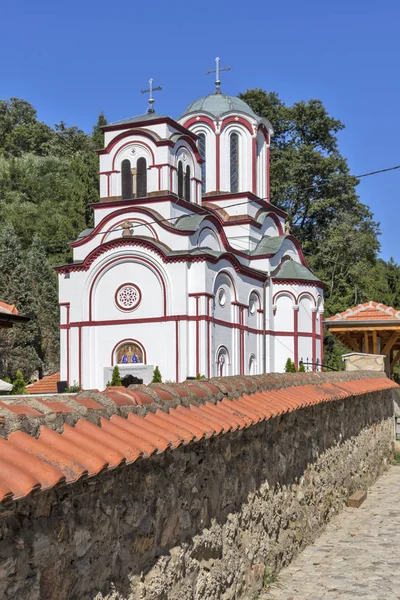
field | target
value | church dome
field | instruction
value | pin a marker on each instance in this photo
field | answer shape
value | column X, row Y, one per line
column 219, row 104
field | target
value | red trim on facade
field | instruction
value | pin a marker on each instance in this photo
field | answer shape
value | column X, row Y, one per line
column 126, row 341
column 218, row 161
column 223, row 272
column 321, row 337
column 236, row 121
column 67, row 306
column 197, row 337
column 137, row 303
column 194, row 294
column 254, row 173
column 199, row 120
column 208, row 300
column 121, row 242
column 268, row 190
column 296, row 337
column 282, row 293
column 241, row 334
column 123, row 221
column 80, row 355
column 122, row 258
column 140, row 143
column 248, row 196
column 177, row 350
column 277, row 222
column 314, row 338
column 139, row 124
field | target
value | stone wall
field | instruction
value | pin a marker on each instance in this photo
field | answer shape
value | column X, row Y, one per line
column 204, row 521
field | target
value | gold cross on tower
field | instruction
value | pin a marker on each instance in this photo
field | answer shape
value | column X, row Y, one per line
column 151, row 90
column 217, row 71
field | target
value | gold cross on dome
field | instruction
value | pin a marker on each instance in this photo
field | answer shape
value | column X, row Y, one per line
column 150, row 90
column 217, row 71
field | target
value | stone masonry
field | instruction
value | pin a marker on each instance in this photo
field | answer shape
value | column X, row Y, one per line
column 206, row 520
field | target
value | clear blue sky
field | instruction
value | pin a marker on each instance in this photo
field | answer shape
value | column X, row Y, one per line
column 73, row 59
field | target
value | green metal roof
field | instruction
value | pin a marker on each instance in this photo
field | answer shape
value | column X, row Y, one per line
column 294, row 270
column 219, row 104
column 268, row 245
column 189, row 222
column 139, row 119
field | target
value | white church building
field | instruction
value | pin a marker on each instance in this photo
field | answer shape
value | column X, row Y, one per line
column 189, row 266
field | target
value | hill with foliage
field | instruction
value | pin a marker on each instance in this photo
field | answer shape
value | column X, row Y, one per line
column 49, row 178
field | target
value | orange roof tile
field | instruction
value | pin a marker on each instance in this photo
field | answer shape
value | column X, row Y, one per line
column 369, row 311
column 8, row 308
column 46, row 385
column 85, row 449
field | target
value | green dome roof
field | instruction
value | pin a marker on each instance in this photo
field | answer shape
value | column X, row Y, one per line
column 219, row 104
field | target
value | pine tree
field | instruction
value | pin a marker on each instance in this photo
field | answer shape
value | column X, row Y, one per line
column 116, row 377
column 156, row 376
column 302, row 368
column 19, row 384
column 98, row 135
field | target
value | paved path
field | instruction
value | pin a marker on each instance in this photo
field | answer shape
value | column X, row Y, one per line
column 358, row 556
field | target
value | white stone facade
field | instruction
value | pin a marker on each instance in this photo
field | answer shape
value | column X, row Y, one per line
column 180, row 271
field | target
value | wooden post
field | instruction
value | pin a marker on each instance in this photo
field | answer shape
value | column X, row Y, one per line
column 366, row 344
column 375, row 341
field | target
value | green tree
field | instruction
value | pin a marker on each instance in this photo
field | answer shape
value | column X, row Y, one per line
column 17, row 345
column 116, row 377
column 156, row 376
column 19, row 384
column 43, row 285
column 290, row 367
column 98, row 135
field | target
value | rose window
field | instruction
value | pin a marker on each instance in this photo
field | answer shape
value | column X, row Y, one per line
column 128, row 296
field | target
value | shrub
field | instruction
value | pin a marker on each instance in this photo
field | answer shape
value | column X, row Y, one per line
column 302, row 368
column 290, row 367
column 19, row 384
column 73, row 389
column 116, row 377
column 156, row 376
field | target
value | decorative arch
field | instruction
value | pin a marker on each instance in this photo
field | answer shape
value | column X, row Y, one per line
column 134, row 143
column 200, row 120
column 208, row 231
column 284, row 293
column 222, row 360
column 135, row 258
column 306, row 295
column 237, row 121
column 126, row 342
column 229, row 276
column 133, row 220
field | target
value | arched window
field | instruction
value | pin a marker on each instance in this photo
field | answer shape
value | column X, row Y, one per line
column 141, row 181
column 126, row 180
column 202, row 152
column 234, row 162
column 180, row 180
column 187, row 184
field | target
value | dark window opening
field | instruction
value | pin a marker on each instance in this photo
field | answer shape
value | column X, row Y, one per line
column 234, row 161
column 141, row 175
column 180, row 180
column 187, row 184
column 126, row 180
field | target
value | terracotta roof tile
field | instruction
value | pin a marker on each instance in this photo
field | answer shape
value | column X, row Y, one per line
column 86, row 449
column 369, row 311
column 46, row 385
column 21, row 409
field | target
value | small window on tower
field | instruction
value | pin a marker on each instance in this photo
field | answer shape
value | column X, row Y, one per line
column 180, row 180
column 202, row 152
column 126, row 180
column 141, row 181
column 187, row 184
column 234, row 162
